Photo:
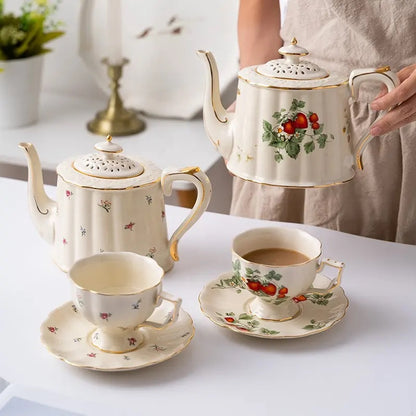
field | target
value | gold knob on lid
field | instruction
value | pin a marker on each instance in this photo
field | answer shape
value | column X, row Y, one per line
column 294, row 41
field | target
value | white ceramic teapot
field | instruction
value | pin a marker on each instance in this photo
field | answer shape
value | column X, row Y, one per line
column 291, row 124
column 108, row 202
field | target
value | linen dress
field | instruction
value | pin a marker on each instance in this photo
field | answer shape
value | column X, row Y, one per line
column 380, row 202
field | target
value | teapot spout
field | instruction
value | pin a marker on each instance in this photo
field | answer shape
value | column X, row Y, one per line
column 217, row 120
column 42, row 208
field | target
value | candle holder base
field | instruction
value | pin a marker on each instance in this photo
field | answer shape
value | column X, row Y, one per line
column 123, row 123
column 115, row 120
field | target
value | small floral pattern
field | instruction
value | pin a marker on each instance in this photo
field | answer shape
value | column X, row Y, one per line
column 151, row 253
column 105, row 315
column 136, row 305
column 293, row 128
column 129, row 226
column 92, row 354
column 68, row 194
column 80, row 301
column 157, row 347
column 132, row 341
column 149, row 199
column 83, row 231
column 64, row 241
column 74, row 308
column 106, row 205
column 53, row 329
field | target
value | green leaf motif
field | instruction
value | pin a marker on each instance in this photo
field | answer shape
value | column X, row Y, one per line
column 267, row 126
column 245, row 316
column 309, row 146
column 320, row 130
column 278, row 157
column 272, row 275
column 322, row 140
column 292, row 149
column 266, row 331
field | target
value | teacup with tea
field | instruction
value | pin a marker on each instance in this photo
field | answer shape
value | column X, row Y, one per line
column 279, row 265
column 118, row 292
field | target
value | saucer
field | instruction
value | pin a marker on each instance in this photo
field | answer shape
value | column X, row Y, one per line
column 227, row 305
column 66, row 334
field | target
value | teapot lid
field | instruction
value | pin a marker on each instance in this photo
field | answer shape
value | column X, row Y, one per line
column 108, row 163
column 291, row 72
column 291, row 66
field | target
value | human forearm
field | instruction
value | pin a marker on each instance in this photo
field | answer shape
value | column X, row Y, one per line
column 258, row 31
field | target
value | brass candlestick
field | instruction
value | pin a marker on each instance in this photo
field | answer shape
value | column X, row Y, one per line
column 115, row 120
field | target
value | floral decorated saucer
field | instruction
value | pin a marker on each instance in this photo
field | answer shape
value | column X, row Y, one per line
column 227, row 306
column 66, row 334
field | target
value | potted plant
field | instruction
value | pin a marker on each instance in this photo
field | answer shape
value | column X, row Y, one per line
column 22, row 46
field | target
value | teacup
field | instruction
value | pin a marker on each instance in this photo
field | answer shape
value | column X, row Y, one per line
column 117, row 292
column 279, row 265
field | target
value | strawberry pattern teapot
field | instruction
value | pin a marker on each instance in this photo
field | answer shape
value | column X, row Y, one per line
column 291, row 123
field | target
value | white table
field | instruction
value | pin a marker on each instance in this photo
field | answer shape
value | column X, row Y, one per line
column 365, row 365
column 61, row 133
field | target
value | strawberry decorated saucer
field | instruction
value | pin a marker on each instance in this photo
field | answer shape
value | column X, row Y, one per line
column 228, row 306
column 66, row 334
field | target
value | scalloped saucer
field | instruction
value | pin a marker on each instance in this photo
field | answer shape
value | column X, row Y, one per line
column 66, row 335
column 227, row 307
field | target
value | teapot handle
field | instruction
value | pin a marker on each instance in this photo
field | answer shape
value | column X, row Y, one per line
column 204, row 190
column 357, row 76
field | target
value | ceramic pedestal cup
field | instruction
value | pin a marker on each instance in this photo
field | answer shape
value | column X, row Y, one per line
column 118, row 292
column 279, row 290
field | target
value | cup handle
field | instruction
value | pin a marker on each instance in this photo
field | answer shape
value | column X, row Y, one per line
column 334, row 283
column 204, row 190
column 171, row 316
column 357, row 76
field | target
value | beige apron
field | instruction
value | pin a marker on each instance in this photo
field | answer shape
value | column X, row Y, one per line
column 380, row 202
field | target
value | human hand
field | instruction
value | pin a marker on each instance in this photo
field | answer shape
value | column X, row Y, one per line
column 402, row 98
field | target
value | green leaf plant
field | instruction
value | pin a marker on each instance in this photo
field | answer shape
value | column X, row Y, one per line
column 25, row 35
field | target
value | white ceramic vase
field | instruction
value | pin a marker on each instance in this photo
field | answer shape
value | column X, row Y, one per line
column 20, row 84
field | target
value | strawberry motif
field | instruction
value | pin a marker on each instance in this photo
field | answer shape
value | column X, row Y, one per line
column 313, row 118
column 254, row 285
column 269, row 289
column 92, row 354
column 288, row 127
column 229, row 319
column 300, row 298
column 283, row 292
column 315, row 126
column 52, row 329
column 301, row 122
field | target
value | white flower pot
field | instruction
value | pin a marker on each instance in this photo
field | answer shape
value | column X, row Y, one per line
column 20, row 84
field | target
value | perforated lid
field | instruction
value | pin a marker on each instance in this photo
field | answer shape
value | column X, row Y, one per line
column 108, row 163
column 291, row 67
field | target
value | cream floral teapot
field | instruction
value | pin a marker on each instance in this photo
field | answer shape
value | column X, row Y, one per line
column 291, row 124
column 109, row 202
